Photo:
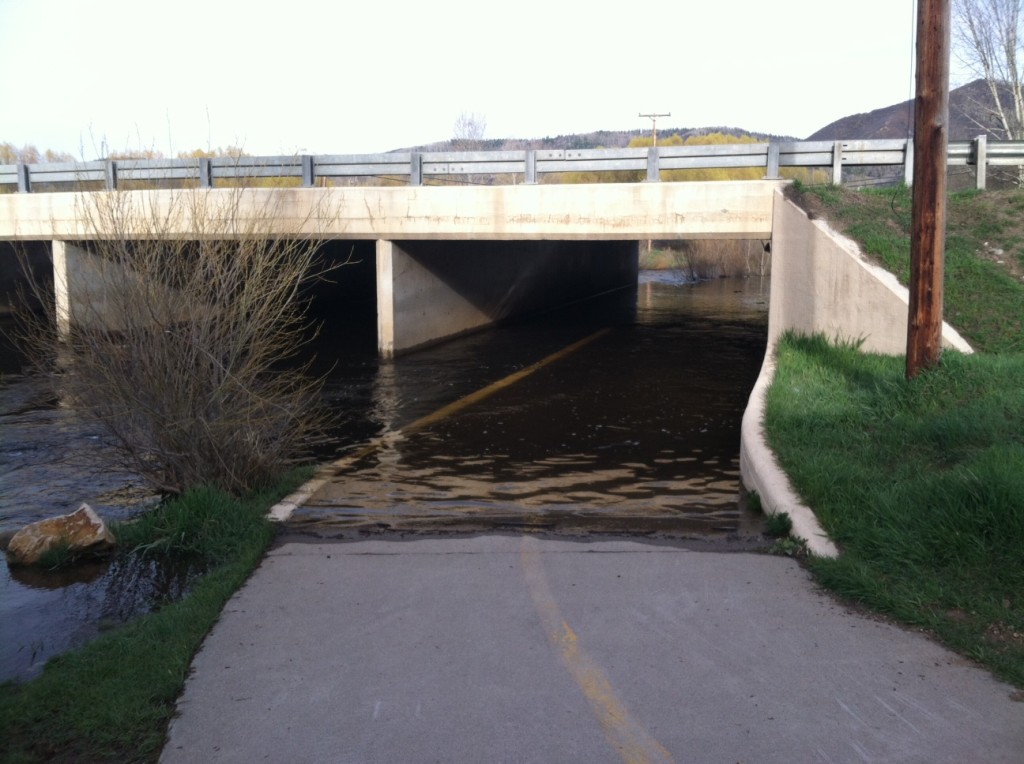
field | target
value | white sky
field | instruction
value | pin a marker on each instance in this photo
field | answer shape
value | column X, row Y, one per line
column 338, row 77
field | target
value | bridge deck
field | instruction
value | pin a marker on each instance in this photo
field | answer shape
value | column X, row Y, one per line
column 727, row 209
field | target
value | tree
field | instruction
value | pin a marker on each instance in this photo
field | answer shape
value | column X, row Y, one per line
column 174, row 343
column 988, row 36
column 645, row 141
column 11, row 154
column 57, row 156
column 468, row 131
column 229, row 151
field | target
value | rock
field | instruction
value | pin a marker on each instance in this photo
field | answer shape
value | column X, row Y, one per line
column 82, row 531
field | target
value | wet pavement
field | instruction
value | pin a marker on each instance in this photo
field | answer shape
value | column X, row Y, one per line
column 518, row 648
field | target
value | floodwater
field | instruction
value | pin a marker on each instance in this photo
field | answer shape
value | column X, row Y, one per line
column 51, row 461
column 638, row 430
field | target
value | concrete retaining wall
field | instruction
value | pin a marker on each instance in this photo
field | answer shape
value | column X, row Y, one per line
column 820, row 283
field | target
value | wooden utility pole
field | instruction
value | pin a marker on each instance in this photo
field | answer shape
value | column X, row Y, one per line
column 928, row 212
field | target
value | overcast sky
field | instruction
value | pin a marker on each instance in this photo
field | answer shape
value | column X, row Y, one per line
column 337, row 77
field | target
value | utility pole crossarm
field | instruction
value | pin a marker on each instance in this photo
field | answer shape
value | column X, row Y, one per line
column 654, row 125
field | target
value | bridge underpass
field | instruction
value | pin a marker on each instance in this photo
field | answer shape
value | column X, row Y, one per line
column 819, row 283
column 424, row 292
column 431, row 290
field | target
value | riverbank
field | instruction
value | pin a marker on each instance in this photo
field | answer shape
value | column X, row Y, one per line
column 111, row 700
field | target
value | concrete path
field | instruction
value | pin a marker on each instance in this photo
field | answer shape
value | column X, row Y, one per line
column 520, row 649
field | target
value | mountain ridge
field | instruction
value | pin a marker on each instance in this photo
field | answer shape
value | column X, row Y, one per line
column 969, row 117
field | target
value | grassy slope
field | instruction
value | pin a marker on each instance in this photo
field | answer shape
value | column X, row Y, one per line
column 922, row 483
column 984, row 281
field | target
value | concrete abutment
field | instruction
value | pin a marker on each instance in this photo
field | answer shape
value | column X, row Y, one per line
column 428, row 290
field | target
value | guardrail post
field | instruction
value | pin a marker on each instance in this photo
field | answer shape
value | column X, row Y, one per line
column 980, row 161
column 837, row 163
column 415, row 169
column 653, row 169
column 530, row 176
column 205, row 172
column 308, row 179
column 908, row 163
column 24, row 180
column 110, row 172
column 772, row 166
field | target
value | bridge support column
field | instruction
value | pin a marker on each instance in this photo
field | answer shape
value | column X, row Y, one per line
column 414, row 305
column 92, row 292
column 430, row 290
column 76, row 284
column 87, row 291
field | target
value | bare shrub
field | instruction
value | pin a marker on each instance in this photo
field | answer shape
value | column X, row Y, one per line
column 174, row 334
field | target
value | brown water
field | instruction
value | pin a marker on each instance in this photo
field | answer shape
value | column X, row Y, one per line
column 637, row 431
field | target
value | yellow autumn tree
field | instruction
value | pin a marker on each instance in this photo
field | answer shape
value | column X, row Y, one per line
column 644, row 141
column 709, row 173
column 236, row 152
column 11, row 154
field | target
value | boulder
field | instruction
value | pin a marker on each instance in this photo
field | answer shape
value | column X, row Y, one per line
column 82, row 532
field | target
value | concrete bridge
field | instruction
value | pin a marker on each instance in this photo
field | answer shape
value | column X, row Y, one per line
column 448, row 259
column 452, row 259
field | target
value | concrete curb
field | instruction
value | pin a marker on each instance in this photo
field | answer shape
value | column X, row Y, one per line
column 283, row 509
column 760, row 471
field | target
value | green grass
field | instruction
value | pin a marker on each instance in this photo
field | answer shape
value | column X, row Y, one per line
column 921, row 484
column 984, row 291
column 111, row 701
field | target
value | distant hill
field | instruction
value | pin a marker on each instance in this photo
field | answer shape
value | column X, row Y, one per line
column 607, row 139
column 968, row 118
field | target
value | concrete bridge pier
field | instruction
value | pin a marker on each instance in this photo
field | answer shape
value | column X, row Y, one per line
column 93, row 292
column 79, row 288
column 430, row 290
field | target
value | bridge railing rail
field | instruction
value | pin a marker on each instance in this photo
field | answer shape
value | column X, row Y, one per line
column 418, row 168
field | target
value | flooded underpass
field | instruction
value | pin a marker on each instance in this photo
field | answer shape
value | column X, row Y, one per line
column 636, row 430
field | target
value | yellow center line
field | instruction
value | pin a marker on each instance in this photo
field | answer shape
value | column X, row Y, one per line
column 284, row 509
column 466, row 401
column 501, row 384
column 627, row 736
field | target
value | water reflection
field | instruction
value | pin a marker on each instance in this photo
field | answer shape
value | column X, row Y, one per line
column 46, row 613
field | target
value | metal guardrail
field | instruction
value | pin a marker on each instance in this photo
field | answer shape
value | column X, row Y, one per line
column 415, row 167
